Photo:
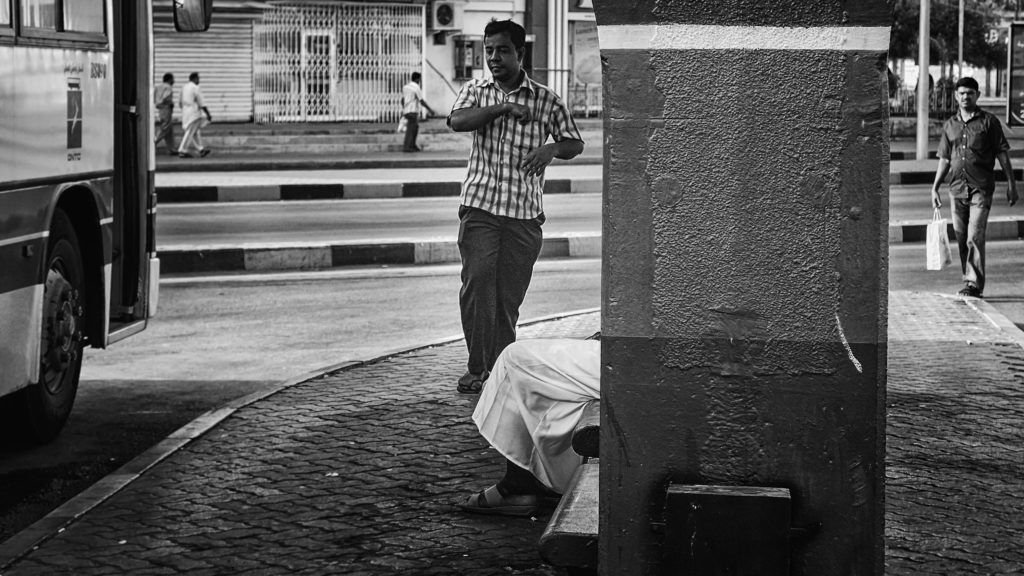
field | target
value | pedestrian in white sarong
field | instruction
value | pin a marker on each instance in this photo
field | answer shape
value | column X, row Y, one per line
column 527, row 411
column 192, row 110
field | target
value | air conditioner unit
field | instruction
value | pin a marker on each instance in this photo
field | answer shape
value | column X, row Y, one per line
column 445, row 15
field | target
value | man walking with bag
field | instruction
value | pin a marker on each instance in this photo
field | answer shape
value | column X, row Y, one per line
column 971, row 142
column 500, row 211
column 192, row 110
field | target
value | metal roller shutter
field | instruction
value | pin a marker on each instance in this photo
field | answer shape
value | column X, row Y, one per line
column 222, row 56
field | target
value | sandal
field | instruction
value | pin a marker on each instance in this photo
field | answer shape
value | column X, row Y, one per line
column 490, row 501
column 471, row 383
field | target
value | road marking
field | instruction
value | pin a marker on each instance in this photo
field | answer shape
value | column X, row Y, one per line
column 706, row 37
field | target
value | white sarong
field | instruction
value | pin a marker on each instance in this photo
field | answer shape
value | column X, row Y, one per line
column 532, row 401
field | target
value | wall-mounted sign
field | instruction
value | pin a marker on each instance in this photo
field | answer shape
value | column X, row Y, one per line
column 74, row 116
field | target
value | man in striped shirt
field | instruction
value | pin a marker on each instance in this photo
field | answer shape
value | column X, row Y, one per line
column 501, row 211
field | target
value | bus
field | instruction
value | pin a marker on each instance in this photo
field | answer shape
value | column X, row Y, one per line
column 78, row 264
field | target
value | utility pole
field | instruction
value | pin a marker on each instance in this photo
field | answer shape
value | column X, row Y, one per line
column 960, row 54
column 924, row 48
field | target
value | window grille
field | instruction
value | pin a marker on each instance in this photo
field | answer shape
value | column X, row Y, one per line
column 335, row 62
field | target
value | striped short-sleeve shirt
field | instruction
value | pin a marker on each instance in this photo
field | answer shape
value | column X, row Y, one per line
column 494, row 180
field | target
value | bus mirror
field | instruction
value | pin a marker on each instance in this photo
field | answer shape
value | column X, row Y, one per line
column 192, row 15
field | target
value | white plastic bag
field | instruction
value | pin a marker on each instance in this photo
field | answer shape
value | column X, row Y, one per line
column 402, row 124
column 937, row 251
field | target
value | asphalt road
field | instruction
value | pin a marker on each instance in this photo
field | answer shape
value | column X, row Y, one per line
column 410, row 219
column 218, row 338
column 400, row 219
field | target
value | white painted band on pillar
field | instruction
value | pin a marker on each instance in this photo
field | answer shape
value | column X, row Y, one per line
column 700, row 37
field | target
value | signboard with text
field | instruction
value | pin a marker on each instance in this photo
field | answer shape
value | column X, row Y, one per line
column 1015, row 93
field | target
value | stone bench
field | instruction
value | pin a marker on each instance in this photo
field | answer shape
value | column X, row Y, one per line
column 586, row 436
column 570, row 539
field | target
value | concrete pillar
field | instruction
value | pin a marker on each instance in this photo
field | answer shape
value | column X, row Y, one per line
column 744, row 296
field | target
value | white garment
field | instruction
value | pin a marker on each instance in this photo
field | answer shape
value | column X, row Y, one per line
column 191, row 104
column 533, row 400
column 411, row 97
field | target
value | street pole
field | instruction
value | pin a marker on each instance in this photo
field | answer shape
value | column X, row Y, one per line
column 924, row 45
column 960, row 73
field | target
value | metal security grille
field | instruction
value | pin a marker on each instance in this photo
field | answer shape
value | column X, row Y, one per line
column 316, row 62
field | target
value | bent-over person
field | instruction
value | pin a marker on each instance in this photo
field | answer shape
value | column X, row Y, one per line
column 527, row 411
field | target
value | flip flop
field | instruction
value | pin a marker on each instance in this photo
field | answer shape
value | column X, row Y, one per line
column 471, row 383
column 490, row 501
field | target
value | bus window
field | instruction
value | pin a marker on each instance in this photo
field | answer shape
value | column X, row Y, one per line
column 5, row 13
column 83, row 16
column 39, row 14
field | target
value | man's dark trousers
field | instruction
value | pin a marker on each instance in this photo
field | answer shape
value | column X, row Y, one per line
column 412, row 129
column 498, row 254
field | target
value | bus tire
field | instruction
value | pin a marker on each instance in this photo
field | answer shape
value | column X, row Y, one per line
column 48, row 403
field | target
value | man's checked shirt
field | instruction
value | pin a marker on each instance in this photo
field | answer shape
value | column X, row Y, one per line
column 494, row 180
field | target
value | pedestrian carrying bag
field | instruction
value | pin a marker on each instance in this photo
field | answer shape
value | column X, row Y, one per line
column 937, row 251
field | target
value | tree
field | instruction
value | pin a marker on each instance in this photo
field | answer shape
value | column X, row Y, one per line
column 979, row 17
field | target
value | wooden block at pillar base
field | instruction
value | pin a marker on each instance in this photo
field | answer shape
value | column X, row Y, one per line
column 736, row 530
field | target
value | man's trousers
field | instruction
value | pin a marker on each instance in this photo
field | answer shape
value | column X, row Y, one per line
column 193, row 138
column 498, row 254
column 412, row 129
column 970, row 220
column 164, row 128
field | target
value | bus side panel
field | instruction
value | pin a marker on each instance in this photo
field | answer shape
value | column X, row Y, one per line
column 19, row 348
column 64, row 123
column 24, row 230
column 24, row 227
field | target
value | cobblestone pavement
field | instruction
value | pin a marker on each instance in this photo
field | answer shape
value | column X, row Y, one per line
column 955, row 455
column 358, row 472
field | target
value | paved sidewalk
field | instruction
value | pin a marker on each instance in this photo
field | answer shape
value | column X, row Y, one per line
column 357, row 471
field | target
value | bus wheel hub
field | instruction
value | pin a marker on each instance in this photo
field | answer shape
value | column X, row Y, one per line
column 61, row 330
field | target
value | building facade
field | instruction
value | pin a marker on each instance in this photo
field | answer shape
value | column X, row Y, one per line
column 335, row 61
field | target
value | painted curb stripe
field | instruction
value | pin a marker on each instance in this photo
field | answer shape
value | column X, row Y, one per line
column 707, row 37
column 312, row 191
column 187, row 194
column 340, row 191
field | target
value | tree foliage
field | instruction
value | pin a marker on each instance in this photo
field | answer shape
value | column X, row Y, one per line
column 980, row 16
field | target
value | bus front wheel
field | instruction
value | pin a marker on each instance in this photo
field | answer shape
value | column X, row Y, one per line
column 48, row 403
